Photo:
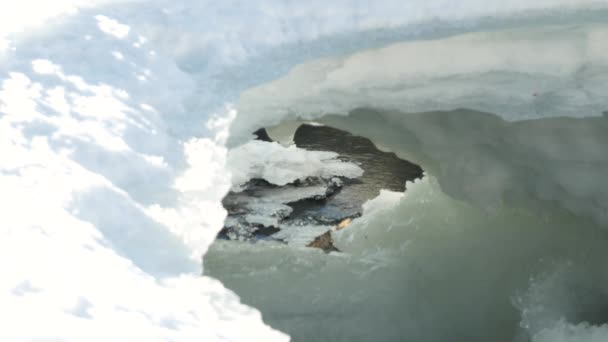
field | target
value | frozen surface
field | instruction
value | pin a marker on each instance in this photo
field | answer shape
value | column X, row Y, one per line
column 556, row 71
column 281, row 165
column 422, row 266
column 113, row 121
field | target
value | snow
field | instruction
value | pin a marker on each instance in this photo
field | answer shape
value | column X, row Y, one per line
column 106, row 214
column 113, row 124
column 281, row 165
column 557, row 71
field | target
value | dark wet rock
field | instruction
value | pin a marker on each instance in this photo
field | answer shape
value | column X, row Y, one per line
column 258, row 210
column 262, row 135
column 263, row 231
column 322, row 212
column 383, row 170
column 246, row 231
column 324, row 242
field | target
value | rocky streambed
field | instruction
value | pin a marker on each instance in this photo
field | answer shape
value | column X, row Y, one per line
column 306, row 210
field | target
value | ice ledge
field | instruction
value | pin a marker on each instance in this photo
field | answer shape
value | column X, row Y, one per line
column 517, row 74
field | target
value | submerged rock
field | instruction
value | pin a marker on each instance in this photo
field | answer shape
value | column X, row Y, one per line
column 324, row 242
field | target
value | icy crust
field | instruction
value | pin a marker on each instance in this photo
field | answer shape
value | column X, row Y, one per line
column 517, row 74
column 443, row 269
column 498, row 116
column 281, row 165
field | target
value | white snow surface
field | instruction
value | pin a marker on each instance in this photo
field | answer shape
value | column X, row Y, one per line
column 113, row 121
column 281, row 165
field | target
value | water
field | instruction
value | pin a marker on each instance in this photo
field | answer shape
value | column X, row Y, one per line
column 263, row 209
column 382, row 171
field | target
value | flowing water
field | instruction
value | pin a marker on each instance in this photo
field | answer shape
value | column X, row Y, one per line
column 303, row 208
column 382, row 170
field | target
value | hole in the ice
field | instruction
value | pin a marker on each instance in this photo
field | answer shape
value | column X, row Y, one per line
column 311, row 206
column 430, row 267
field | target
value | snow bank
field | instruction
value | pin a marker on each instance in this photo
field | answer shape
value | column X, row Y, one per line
column 106, row 211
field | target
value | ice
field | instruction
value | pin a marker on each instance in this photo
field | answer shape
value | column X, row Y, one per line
column 247, row 213
column 113, row 124
column 564, row 332
column 475, row 71
column 281, row 165
column 443, row 269
column 290, row 194
column 558, row 71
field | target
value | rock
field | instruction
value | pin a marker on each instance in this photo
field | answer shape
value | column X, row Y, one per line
column 342, row 224
column 324, row 242
column 261, row 207
column 313, row 207
column 262, row 135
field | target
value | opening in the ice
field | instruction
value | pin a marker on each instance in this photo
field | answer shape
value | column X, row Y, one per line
column 507, row 127
column 299, row 194
column 466, row 253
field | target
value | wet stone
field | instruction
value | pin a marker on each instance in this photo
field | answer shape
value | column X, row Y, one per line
column 324, row 242
column 259, row 210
